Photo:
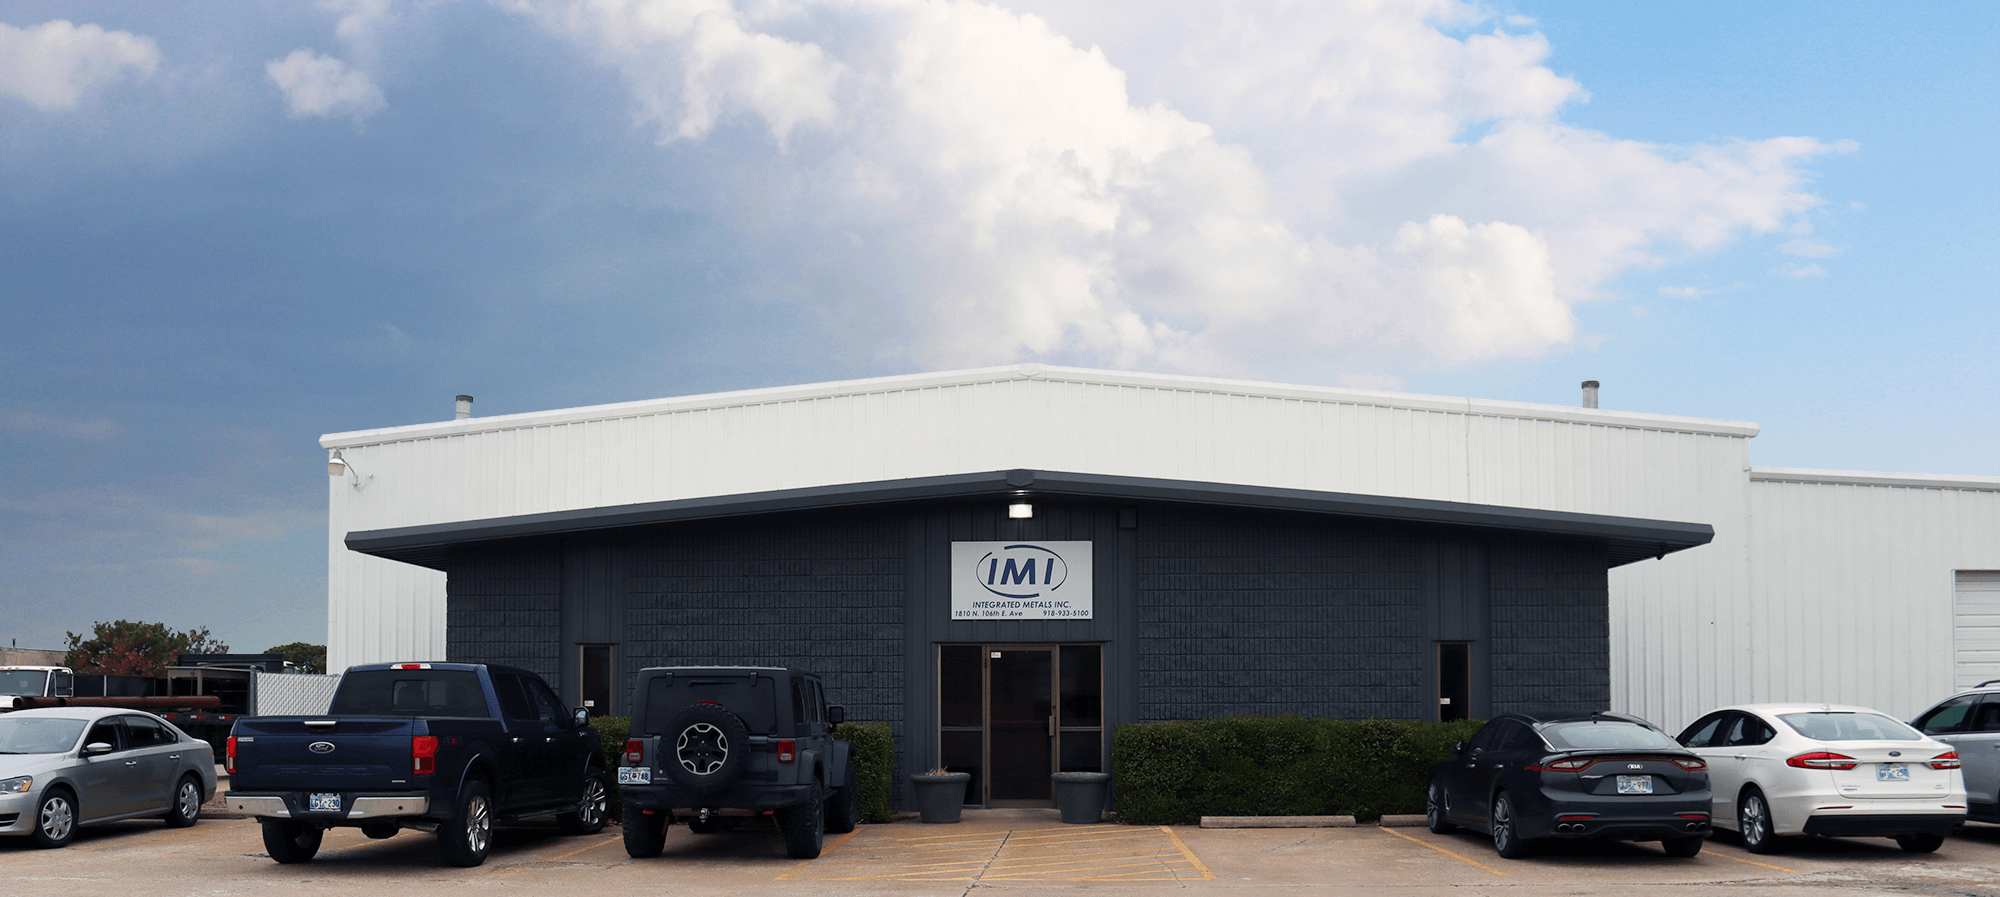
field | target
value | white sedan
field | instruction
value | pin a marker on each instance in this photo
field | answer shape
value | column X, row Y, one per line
column 1826, row 769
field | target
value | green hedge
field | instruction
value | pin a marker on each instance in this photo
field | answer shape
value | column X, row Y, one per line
column 614, row 730
column 874, row 765
column 1178, row 772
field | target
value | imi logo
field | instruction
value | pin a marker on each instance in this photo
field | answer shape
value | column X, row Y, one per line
column 1020, row 580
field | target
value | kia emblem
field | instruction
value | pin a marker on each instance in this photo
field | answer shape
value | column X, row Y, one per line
column 321, row 747
column 1634, row 766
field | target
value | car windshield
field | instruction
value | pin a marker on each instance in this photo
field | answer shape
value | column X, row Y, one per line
column 1837, row 725
column 38, row 734
column 1604, row 734
column 23, row 682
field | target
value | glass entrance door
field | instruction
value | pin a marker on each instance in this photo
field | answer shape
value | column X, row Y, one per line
column 1012, row 714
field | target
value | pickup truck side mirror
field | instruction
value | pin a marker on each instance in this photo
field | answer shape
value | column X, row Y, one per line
column 581, row 717
column 836, row 714
column 1458, row 747
column 96, row 747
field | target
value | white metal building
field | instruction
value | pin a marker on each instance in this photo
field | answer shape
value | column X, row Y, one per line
column 1873, row 589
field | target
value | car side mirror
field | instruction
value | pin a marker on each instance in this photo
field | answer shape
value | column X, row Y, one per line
column 581, row 717
column 1458, row 747
column 96, row 747
column 836, row 714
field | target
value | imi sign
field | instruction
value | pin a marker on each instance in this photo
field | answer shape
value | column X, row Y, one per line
column 1020, row 580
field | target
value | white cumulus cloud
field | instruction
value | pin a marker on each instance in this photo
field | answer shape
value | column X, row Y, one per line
column 1347, row 185
column 319, row 86
column 55, row 65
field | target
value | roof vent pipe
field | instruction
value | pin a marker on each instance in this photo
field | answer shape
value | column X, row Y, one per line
column 464, row 407
column 1589, row 394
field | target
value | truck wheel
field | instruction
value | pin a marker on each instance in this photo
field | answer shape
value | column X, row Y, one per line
column 468, row 834
column 290, row 841
column 591, row 809
column 843, row 806
column 645, row 833
column 55, row 819
column 707, row 748
column 186, row 807
column 804, row 824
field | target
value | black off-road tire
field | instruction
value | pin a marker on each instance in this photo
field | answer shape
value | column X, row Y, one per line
column 843, row 805
column 804, row 824
column 290, row 841
column 1920, row 843
column 707, row 748
column 1753, row 823
column 1434, row 810
column 1507, row 840
column 467, row 836
column 1682, row 847
column 55, row 819
column 645, row 833
column 184, row 806
column 593, row 807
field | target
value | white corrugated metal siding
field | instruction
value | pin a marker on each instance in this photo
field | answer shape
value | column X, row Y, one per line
column 1976, row 628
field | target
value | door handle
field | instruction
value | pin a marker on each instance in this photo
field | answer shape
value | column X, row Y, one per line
column 1052, row 727
column 517, row 739
column 131, row 763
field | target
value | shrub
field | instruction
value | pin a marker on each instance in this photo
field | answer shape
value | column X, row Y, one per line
column 614, row 730
column 1178, row 772
column 874, row 765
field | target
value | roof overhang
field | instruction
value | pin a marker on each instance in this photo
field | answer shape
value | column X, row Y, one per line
column 1626, row 539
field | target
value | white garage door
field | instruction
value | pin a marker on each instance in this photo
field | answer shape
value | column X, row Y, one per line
column 1976, row 619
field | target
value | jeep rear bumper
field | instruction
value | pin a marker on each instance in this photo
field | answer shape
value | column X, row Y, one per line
column 745, row 797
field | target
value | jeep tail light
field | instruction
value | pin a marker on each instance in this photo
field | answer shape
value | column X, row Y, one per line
column 229, row 759
column 423, row 755
column 787, row 751
column 1571, row 764
column 1691, row 764
column 635, row 751
column 1821, row 760
column 1946, row 760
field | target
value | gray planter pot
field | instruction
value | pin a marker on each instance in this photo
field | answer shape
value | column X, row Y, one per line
column 1080, row 795
column 940, row 798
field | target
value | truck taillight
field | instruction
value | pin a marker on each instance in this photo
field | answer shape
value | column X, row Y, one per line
column 423, row 755
column 635, row 751
column 787, row 751
column 229, row 759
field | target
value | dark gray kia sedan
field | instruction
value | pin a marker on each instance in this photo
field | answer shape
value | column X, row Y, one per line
column 1529, row 776
column 61, row 767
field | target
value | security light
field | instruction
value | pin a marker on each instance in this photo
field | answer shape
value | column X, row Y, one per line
column 1020, row 508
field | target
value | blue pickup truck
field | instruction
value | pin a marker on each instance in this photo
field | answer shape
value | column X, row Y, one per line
column 449, row 748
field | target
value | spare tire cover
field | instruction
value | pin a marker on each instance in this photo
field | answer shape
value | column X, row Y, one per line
column 707, row 748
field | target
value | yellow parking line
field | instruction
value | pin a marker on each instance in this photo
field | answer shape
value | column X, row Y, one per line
column 829, row 849
column 1754, row 863
column 1461, row 858
column 601, row 842
column 1187, row 853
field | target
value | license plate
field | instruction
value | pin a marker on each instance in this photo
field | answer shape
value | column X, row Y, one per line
column 323, row 802
column 1892, row 772
column 635, row 775
column 1635, row 784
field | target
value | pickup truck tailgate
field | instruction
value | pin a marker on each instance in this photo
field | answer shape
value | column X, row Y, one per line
column 347, row 754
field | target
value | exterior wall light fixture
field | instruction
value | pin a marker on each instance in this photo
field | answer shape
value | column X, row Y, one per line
column 1020, row 508
column 336, row 466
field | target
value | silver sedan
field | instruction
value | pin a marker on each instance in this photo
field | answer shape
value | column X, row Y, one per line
column 62, row 767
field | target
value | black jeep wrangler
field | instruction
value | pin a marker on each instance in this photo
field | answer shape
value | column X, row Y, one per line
column 712, row 746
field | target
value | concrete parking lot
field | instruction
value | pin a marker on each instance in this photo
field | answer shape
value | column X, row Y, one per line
column 1020, row 851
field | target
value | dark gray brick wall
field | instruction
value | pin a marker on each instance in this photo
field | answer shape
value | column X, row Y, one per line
column 504, row 605
column 1245, row 613
column 1551, row 626
column 823, row 593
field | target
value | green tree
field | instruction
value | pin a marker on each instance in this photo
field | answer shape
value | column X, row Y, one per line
column 128, row 648
column 307, row 658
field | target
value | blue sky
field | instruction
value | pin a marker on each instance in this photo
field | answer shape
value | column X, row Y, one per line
column 225, row 231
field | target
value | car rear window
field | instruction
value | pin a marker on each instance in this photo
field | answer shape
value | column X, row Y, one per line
column 1835, row 725
column 1604, row 734
column 38, row 735
column 413, row 692
column 751, row 697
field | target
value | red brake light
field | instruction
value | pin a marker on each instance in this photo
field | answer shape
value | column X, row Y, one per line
column 1946, row 760
column 1691, row 764
column 635, row 751
column 413, row 666
column 1821, row 760
column 423, row 755
column 229, row 760
column 1571, row 764
column 787, row 751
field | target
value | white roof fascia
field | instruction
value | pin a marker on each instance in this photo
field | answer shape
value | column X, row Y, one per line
column 907, row 382
column 1870, row 478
